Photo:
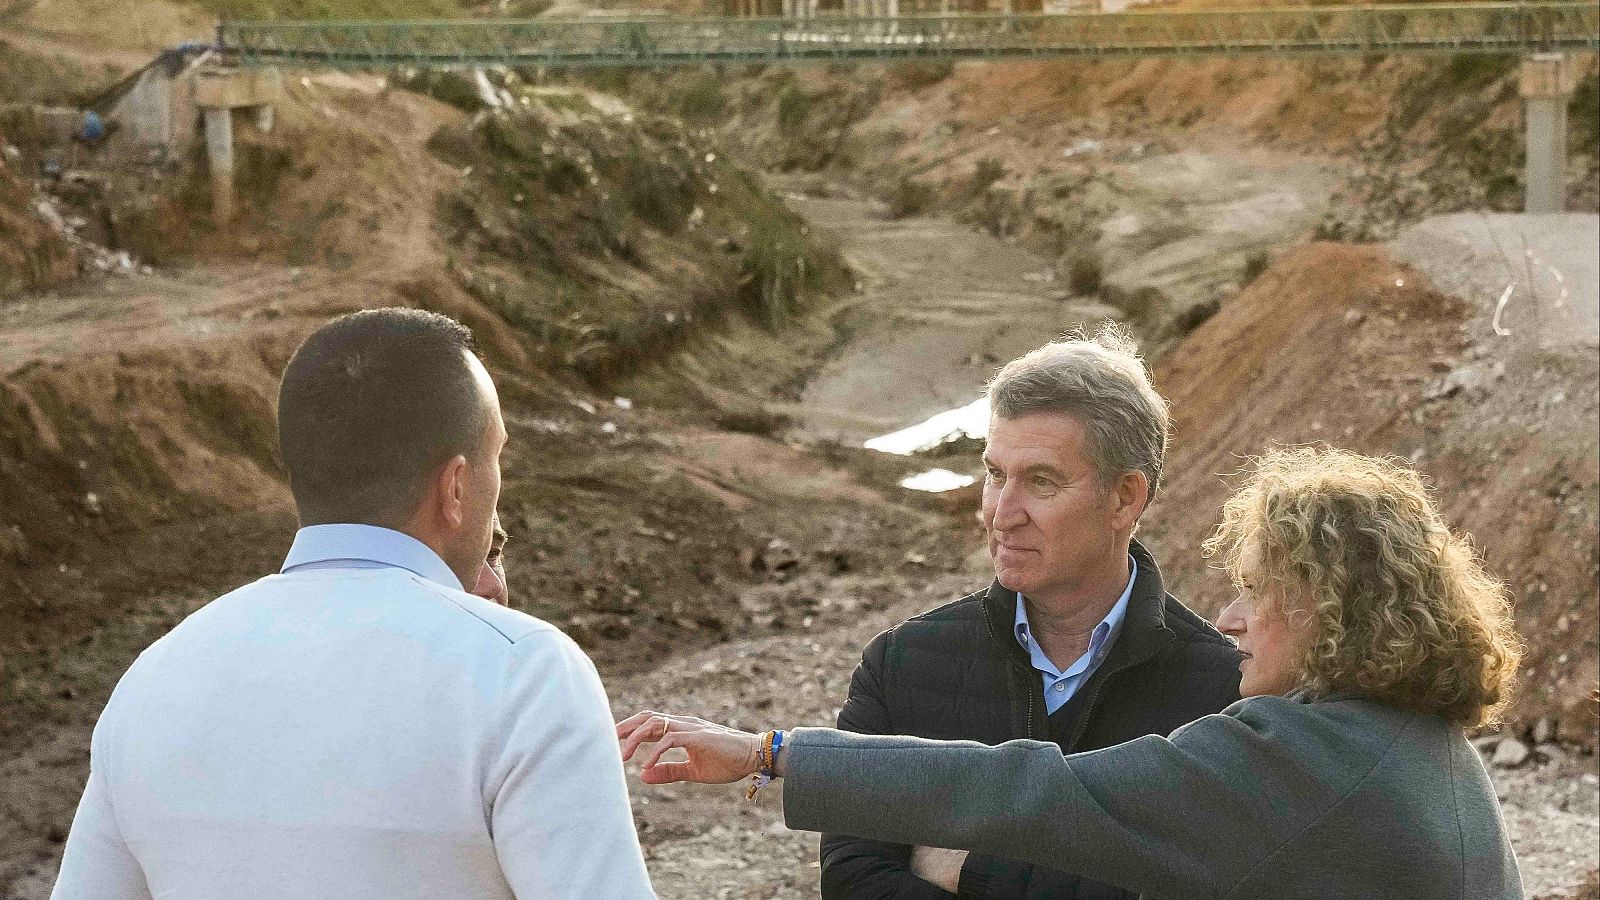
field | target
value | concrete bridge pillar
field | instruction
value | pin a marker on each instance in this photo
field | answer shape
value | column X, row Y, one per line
column 219, row 156
column 218, row 92
column 1546, row 82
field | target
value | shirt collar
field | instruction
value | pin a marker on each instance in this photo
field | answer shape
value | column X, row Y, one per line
column 1103, row 632
column 368, row 543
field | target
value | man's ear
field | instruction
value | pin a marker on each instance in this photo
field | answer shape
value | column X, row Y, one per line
column 450, row 491
column 1129, row 496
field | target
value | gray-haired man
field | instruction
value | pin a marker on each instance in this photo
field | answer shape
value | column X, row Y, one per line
column 1074, row 642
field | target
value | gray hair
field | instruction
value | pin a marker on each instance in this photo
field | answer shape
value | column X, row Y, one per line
column 1102, row 382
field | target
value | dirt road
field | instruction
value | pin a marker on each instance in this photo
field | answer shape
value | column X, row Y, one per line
column 940, row 306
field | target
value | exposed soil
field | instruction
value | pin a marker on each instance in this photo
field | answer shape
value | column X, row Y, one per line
column 684, row 488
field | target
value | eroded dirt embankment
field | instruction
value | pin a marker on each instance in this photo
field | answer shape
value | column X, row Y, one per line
column 137, row 454
column 722, row 572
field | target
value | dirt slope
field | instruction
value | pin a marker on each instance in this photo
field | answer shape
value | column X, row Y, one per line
column 1341, row 344
column 33, row 256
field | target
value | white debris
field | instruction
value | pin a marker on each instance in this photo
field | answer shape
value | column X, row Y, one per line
column 1511, row 753
column 1081, row 147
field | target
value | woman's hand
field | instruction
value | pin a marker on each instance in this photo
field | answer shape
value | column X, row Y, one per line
column 717, row 754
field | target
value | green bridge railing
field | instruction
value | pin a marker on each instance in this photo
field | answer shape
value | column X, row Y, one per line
column 1553, row 25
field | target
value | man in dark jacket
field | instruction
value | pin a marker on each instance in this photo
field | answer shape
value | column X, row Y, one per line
column 1076, row 641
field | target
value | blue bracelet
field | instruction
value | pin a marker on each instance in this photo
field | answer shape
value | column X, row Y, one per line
column 777, row 744
column 765, row 776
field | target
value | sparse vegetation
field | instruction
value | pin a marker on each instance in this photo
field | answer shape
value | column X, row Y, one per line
column 775, row 272
column 909, row 197
column 752, row 419
column 794, row 107
column 1254, row 265
column 913, row 76
column 700, row 99
column 985, row 173
column 27, row 77
column 1084, row 272
column 1469, row 71
column 1584, row 116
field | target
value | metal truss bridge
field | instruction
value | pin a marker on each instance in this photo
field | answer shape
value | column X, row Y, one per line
column 1482, row 28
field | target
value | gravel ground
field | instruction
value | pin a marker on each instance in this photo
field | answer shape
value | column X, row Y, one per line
column 706, row 842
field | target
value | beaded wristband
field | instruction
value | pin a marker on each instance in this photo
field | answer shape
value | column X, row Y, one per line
column 767, row 747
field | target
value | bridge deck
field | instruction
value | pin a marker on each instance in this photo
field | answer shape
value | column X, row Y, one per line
column 1495, row 27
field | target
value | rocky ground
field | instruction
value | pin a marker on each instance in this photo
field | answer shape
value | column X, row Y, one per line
column 709, row 842
column 691, row 503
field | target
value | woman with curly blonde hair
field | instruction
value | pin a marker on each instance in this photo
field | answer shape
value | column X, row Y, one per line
column 1349, row 554
column 1372, row 639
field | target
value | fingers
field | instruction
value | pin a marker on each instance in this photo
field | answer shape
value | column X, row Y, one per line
column 667, row 773
column 653, row 728
column 626, row 726
column 654, row 771
column 667, row 743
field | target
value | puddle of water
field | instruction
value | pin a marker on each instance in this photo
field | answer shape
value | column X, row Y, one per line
column 937, row 481
column 971, row 420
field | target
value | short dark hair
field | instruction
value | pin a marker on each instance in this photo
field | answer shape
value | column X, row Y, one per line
column 370, row 404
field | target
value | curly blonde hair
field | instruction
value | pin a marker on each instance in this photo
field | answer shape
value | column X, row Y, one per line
column 1401, row 609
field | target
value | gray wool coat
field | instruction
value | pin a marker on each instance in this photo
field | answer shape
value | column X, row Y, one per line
column 1275, row 797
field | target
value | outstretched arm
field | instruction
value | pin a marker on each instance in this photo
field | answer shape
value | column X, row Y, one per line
column 1171, row 817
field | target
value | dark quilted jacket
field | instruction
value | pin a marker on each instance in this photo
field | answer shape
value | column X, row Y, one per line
column 958, row 673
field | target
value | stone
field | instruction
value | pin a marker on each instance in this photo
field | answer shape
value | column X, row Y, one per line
column 1544, row 730
column 1511, row 753
column 1551, row 754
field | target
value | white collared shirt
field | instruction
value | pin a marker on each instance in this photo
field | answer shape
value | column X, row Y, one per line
column 358, row 728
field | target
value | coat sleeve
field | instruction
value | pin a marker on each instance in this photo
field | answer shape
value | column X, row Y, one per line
column 556, row 799
column 97, row 864
column 1185, row 816
column 854, row 868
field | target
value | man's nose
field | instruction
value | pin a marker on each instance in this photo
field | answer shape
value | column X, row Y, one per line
column 1009, row 511
column 489, row 585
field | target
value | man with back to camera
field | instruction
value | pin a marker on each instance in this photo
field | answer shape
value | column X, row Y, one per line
column 1076, row 641
column 359, row 726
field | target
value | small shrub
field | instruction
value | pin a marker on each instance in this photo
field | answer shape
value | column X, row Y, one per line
column 1084, row 272
column 774, row 272
column 1472, row 70
column 909, row 197
column 794, row 108
column 455, row 88
column 753, row 419
column 923, row 74
column 1194, row 316
column 657, row 192
column 987, row 172
column 564, row 176
column 1254, row 265
column 1584, row 110
column 701, row 99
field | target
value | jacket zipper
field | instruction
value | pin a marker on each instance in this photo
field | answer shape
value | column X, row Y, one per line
column 988, row 623
column 1083, row 718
